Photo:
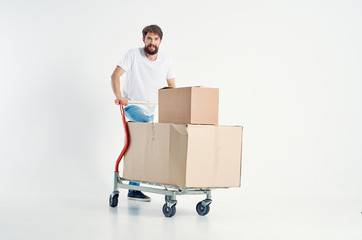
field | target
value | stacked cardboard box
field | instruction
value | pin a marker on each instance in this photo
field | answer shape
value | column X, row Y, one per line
column 186, row 148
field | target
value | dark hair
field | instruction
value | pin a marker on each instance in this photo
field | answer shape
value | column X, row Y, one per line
column 153, row 29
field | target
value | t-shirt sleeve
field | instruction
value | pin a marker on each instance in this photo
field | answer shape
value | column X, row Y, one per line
column 126, row 61
column 171, row 72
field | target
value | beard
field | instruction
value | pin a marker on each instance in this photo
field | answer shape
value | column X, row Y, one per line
column 148, row 51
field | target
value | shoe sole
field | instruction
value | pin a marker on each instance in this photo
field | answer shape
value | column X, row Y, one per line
column 139, row 199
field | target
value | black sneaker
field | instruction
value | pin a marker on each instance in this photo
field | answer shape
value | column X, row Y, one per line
column 138, row 195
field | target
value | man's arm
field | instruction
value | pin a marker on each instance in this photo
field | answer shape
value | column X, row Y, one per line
column 116, row 84
column 171, row 82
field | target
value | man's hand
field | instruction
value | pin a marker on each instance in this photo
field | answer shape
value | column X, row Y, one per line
column 171, row 83
column 124, row 101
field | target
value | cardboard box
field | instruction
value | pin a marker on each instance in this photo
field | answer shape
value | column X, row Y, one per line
column 188, row 105
column 184, row 155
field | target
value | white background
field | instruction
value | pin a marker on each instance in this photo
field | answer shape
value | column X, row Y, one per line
column 288, row 71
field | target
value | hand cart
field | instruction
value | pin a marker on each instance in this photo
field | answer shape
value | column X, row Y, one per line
column 170, row 192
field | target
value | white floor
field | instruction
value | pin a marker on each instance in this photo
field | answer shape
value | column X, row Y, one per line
column 88, row 216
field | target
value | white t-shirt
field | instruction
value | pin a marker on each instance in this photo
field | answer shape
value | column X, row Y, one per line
column 145, row 77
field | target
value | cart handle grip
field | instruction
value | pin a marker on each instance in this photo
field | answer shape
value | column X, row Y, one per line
column 118, row 102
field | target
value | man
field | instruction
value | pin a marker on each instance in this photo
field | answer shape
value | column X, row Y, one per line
column 147, row 70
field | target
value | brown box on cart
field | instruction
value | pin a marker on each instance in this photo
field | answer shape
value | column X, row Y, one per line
column 188, row 105
column 184, row 155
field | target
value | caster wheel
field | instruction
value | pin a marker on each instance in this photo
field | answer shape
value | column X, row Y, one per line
column 201, row 209
column 169, row 211
column 113, row 200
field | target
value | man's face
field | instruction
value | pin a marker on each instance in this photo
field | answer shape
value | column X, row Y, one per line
column 152, row 42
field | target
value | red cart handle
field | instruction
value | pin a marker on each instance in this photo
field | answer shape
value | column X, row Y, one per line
column 118, row 102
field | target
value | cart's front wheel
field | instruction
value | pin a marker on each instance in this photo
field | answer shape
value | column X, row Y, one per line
column 202, row 209
column 169, row 211
column 113, row 200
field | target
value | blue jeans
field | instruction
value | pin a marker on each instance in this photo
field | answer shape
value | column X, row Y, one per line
column 135, row 114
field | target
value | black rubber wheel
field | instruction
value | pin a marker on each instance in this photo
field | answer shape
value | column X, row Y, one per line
column 113, row 200
column 169, row 211
column 201, row 209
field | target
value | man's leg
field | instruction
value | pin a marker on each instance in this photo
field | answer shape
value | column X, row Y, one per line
column 135, row 113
